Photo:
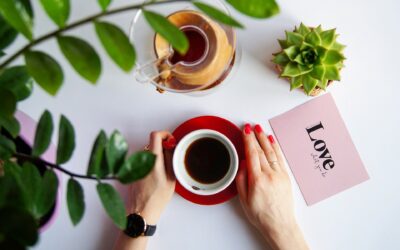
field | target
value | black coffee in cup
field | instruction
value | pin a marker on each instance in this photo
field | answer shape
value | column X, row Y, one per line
column 207, row 160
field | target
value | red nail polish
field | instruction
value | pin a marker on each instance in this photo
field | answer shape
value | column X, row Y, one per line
column 247, row 129
column 258, row 128
column 170, row 143
column 271, row 139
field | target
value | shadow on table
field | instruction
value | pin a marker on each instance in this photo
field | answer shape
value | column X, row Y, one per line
column 257, row 237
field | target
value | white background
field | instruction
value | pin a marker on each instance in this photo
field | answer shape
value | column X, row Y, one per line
column 364, row 217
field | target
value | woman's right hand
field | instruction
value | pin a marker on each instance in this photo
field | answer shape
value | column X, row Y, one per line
column 265, row 191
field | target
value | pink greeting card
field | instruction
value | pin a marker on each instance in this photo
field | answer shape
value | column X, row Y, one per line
column 319, row 149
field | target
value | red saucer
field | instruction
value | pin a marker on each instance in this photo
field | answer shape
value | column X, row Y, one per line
column 225, row 127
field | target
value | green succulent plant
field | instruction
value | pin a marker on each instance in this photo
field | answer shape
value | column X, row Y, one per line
column 310, row 58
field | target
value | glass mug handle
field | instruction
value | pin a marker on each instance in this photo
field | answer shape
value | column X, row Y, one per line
column 151, row 70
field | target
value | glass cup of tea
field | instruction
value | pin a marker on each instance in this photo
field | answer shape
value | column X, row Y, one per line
column 210, row 59
column 205, row 162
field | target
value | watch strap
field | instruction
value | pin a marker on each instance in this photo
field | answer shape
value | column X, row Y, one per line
column 150, row 230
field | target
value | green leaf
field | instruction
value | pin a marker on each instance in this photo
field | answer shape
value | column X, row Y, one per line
column 17, row 80
column 323, row 84
column 57, row 10
column 18, row 226
column 11, row 125
column 113, row 204
column 293, row 69
column 281, row 59
column 217, row 14
column 10, row 191
column 104, row 4
column 296, row 82
column 283, row 43
column 303, row 30
column 7, row 34
column 31, row 184
column 136, row 167
column 168, row 31
column 117, row 45
column 299, row 59
column 256, row 8
column 332, row 57
column 294, row 38
column 319, row 29
column 313, row 38
column 45, row 71
column 43, row 134
column 332, row 73
column 75, row 201
column 8, row 103
column 47, row 194
column 17, row 15
column 81, row 56
column 338, row 46
column 292, row 52
column 309, row 83
column 328, row 37
column 66, row 141
column 318, row 72
column 97, row 156
column 116, row 150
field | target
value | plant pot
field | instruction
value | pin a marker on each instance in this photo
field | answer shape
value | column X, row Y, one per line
column 24, row 145
column 315, row 92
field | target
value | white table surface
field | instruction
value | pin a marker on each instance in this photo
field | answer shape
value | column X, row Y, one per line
column 364, row 217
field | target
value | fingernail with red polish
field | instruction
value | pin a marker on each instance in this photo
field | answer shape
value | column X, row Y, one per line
column 170, row 143
column 271, row 139
column 258, row 128
column 247, row 129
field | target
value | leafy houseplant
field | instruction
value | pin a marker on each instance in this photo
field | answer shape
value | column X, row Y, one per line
column 28, row 183
column 310, row 58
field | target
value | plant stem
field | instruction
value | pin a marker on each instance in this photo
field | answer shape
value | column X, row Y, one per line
column 79, row 23
column 33, row 159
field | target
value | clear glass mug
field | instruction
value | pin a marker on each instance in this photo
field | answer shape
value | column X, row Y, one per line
column 156, row 62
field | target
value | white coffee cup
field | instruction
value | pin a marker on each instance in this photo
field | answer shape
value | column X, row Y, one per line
column 183, row 176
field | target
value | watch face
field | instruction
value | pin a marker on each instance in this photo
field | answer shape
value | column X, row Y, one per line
column 136, row 225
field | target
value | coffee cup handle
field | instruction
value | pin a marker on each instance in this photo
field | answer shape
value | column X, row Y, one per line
column 151, row 70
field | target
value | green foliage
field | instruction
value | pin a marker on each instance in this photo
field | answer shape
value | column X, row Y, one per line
column 47, row 193
column 167, row 30
column 44, row 130
column 7, row 147
column 116, row 150
column 310, row 58
column 217, row 14
column 18, row 16
column 104, row 4
column 66, row 140
column 113, row 204
column 136, row 167
column 75, row 201
column 116, row 44
column 45, row 71
column 7, row 34
column 82, row 57
column 11, row 125
column 97, row 157
column 57, row 10
column 256, row 8
column 9, row 103
column 18, row 81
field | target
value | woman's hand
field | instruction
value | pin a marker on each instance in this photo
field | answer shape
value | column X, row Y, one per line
column 265, row 191
column 150, row 195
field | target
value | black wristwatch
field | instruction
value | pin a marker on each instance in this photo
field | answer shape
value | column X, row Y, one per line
column 137, row 226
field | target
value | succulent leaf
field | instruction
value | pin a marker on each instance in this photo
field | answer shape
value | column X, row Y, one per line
column 310, row 57
column 313, row 38
column 328, row 37
column 294, row 38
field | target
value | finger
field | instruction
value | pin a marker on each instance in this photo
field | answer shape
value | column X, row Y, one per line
column 267, row 147
column 156, row 139
column 264, row 164
column 252, row 159
column 168, row 164
column 241, row 183
column 278, row 152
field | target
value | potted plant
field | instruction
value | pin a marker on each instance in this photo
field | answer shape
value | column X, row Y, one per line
column 310, row 58
column 28, row 180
